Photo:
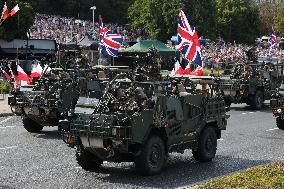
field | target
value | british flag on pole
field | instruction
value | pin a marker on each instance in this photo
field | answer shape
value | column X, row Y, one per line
column 109, row 42
column 273, row 38
column 188, row 43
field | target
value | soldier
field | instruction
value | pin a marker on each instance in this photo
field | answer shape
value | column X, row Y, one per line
column 247, row 71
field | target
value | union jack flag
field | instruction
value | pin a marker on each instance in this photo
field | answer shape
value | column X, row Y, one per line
column 273, row 38
column 109, row 42
column 188, row 43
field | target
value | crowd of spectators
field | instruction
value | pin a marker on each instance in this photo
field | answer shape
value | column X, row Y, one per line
column 66, row 30
column 222, row 53
column 219, row 54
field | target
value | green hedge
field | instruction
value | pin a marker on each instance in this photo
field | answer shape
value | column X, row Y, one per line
column 4, row 87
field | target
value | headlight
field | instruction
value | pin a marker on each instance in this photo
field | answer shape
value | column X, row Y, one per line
column 279, row 110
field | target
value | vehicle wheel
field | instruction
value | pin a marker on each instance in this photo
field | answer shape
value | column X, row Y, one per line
column 248, row 102
column 280, row 123
column 31, row 126
column 87, row 160
column 228, row 103
column 152, row 158
column 257, row 100
column 207, row 145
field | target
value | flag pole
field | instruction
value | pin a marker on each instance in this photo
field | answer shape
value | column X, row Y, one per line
column 100, row 52
column 18, row 21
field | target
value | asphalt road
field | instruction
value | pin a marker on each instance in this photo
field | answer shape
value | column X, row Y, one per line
column 44, row 161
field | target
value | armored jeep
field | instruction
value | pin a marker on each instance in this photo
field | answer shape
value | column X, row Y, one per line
column 250, row 83
column 143, row 122
column 51, row 97
column 277, row 106
column 39, row 103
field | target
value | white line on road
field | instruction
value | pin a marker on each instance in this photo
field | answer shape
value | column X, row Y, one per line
column 7, row 127
column 244, row 113
column 251, row 112
column 10, row 147
column 272, row 129
column 7, row 119
column 220, row 139
column 78, row 167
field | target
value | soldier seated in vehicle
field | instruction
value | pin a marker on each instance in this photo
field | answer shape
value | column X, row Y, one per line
column 102, row 75
column 266, row 74
column 140, row 98
column 178, row 89
column 247, row 71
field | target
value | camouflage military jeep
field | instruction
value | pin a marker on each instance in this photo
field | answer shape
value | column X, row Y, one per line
column 51, row 97
column 39, row 103
column 143, row 122
column 249, row 83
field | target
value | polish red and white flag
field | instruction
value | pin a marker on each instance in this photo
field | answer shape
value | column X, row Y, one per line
column 22, row 74
column 5, row 13
column 36, row 71
column 15, row 77
column 14, row 10
column 6, row 75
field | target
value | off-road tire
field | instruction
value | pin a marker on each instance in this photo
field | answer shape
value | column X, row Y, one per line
column 228, row 103
column 31, row 126
column 87, row 160
column 257, row 100
column 152, row 158
column 207, row 145
column 280, row 123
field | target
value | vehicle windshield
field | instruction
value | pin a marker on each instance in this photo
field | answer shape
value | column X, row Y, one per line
column 261, row 59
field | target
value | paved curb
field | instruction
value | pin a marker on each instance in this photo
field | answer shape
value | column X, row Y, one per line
column 6, row 114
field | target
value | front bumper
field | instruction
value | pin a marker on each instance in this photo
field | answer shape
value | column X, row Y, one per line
column 31, row 101
column 100, row 126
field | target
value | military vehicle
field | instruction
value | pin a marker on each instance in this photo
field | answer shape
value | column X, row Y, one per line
column 144, row 121
column 252, row 82
column 249, row 83
column 277, row 105
column 39, row 104
column 50, row 97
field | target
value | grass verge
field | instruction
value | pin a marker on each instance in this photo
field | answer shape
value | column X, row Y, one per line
column 269, row 176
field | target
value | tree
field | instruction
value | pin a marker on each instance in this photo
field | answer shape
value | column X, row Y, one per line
column 267, row 14
column 238, row 20
column 279, row 19
column 18, row 25
column 159, row 17
column 203, row 14
column 111, row 10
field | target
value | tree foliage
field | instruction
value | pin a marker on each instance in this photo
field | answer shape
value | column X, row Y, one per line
column 203, row 14
column 279, row 19
column 238, row 20
column 157, row 17
column 111, row 10
column 18, row 25
column 267, row 14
